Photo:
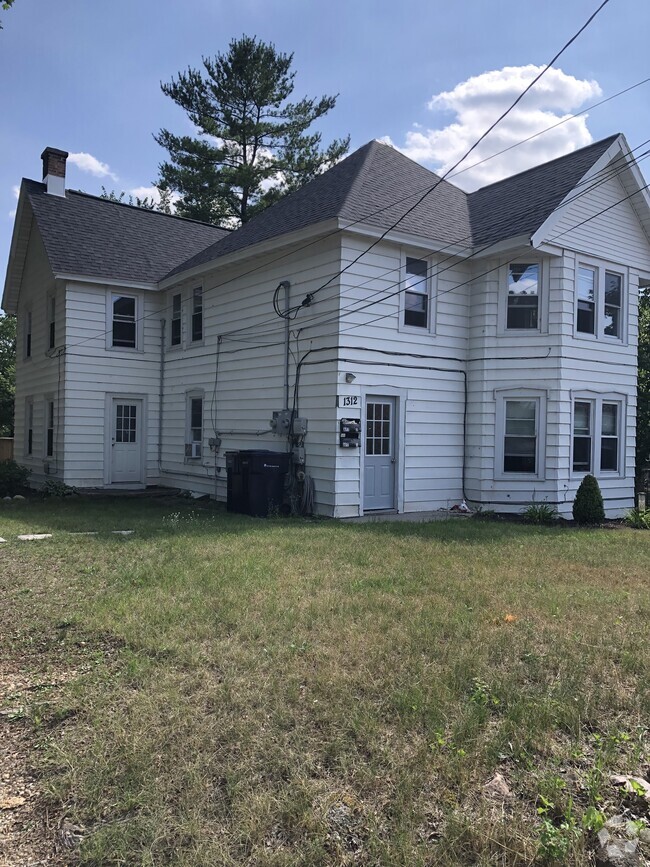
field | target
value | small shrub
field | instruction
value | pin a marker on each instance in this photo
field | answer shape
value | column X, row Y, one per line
column 540, row 513
column 482, row 514
column 57, row 488
column 13, row 478
column 588, row 505
column 639, row 519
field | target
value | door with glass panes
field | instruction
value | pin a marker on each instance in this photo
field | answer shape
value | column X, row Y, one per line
column 126, row 441
column 379, row 454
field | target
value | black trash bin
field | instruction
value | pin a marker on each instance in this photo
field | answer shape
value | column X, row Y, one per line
column 256, row 481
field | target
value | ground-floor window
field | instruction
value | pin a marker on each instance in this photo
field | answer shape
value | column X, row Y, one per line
column 194, row 426
column 520, row 429
column 29, row 426
column 49, row 428
column 597, row 435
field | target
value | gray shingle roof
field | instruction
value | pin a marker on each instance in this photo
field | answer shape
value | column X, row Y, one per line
column 520, row 204
column 363, row 187
column 95, row 237
column 377, row 185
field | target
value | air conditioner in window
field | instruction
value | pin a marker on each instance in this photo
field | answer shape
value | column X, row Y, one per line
column 192, row 450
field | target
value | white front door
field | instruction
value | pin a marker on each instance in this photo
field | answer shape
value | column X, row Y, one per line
column 379, row 454
column 126, row 441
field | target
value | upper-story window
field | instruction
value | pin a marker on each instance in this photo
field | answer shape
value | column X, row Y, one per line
column 124, row 321
column 523, row 296
column 27, row 335
column 51, row 321
column 177, row 308
column 197, row 314
column 416, row 293
column 599, row 301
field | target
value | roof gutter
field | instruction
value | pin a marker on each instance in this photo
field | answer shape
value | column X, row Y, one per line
column 106, row 281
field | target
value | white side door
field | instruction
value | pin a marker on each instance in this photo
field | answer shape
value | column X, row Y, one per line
column 126, row 441
column 379, row 454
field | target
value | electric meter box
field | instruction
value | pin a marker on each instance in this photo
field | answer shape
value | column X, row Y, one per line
column 349, row 433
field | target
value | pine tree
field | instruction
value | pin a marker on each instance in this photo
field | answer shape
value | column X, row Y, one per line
column 254, row 146
column 588, row 505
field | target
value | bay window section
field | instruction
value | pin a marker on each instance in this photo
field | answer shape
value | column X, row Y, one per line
column 586, row 291
column 523, row 296
column 609, row 437
column 613, row 300
column 520, row 440
column 416, row 293
column 597, row 425
column 582, row 437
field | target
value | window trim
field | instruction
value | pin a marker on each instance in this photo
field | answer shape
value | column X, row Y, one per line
column 431, row 292
column 602, row 268
column 196, row 394
column 597, row 400
column 542, row 296
column 111, row 294
column 501, row 397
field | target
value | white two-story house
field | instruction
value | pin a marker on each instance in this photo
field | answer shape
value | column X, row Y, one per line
column 408, row 344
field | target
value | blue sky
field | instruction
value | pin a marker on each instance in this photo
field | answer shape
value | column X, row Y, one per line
column 84, row 76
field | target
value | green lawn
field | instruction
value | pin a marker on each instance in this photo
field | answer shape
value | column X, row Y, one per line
column 293, row 692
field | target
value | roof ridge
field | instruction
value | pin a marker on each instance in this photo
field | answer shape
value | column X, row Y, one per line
column 610, row 138
column 135, row 207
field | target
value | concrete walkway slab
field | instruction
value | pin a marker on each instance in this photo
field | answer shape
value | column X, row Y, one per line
column 30, row 537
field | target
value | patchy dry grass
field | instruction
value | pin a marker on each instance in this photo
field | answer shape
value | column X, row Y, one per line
column 309, row 693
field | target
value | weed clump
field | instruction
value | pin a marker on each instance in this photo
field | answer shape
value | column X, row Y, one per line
column 588, row 505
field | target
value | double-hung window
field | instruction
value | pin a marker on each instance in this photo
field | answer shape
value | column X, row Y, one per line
column 416, row 293
column 597, row 435
column 197, row 314
column 194, row 426
column 520, row 437
column 522, row 311
column 520, row 433
column 600, row 297
column 124, row 331
column 176, row 322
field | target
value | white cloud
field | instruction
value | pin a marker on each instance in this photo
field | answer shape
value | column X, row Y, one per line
column 478, row 102
column 89, row 163
column 16, row 192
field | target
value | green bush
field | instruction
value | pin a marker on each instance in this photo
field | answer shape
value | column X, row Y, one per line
column 638, row 518
column 588, row 505
column 540, row 513
column 56, row 488
column 13, row 478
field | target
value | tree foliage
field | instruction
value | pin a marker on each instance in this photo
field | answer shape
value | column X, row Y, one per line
column 253, row 145
column 7, row 374
column 6, row 4
column 164, row 205
column 643, row 401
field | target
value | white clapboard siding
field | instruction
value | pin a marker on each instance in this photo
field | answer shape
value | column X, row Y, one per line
column 40, row 377
column 242, row 383
column 95, row 371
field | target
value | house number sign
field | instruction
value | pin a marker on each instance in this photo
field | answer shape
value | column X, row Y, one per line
column 348, row 400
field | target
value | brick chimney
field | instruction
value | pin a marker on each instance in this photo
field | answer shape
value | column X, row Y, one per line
column 54, row 170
